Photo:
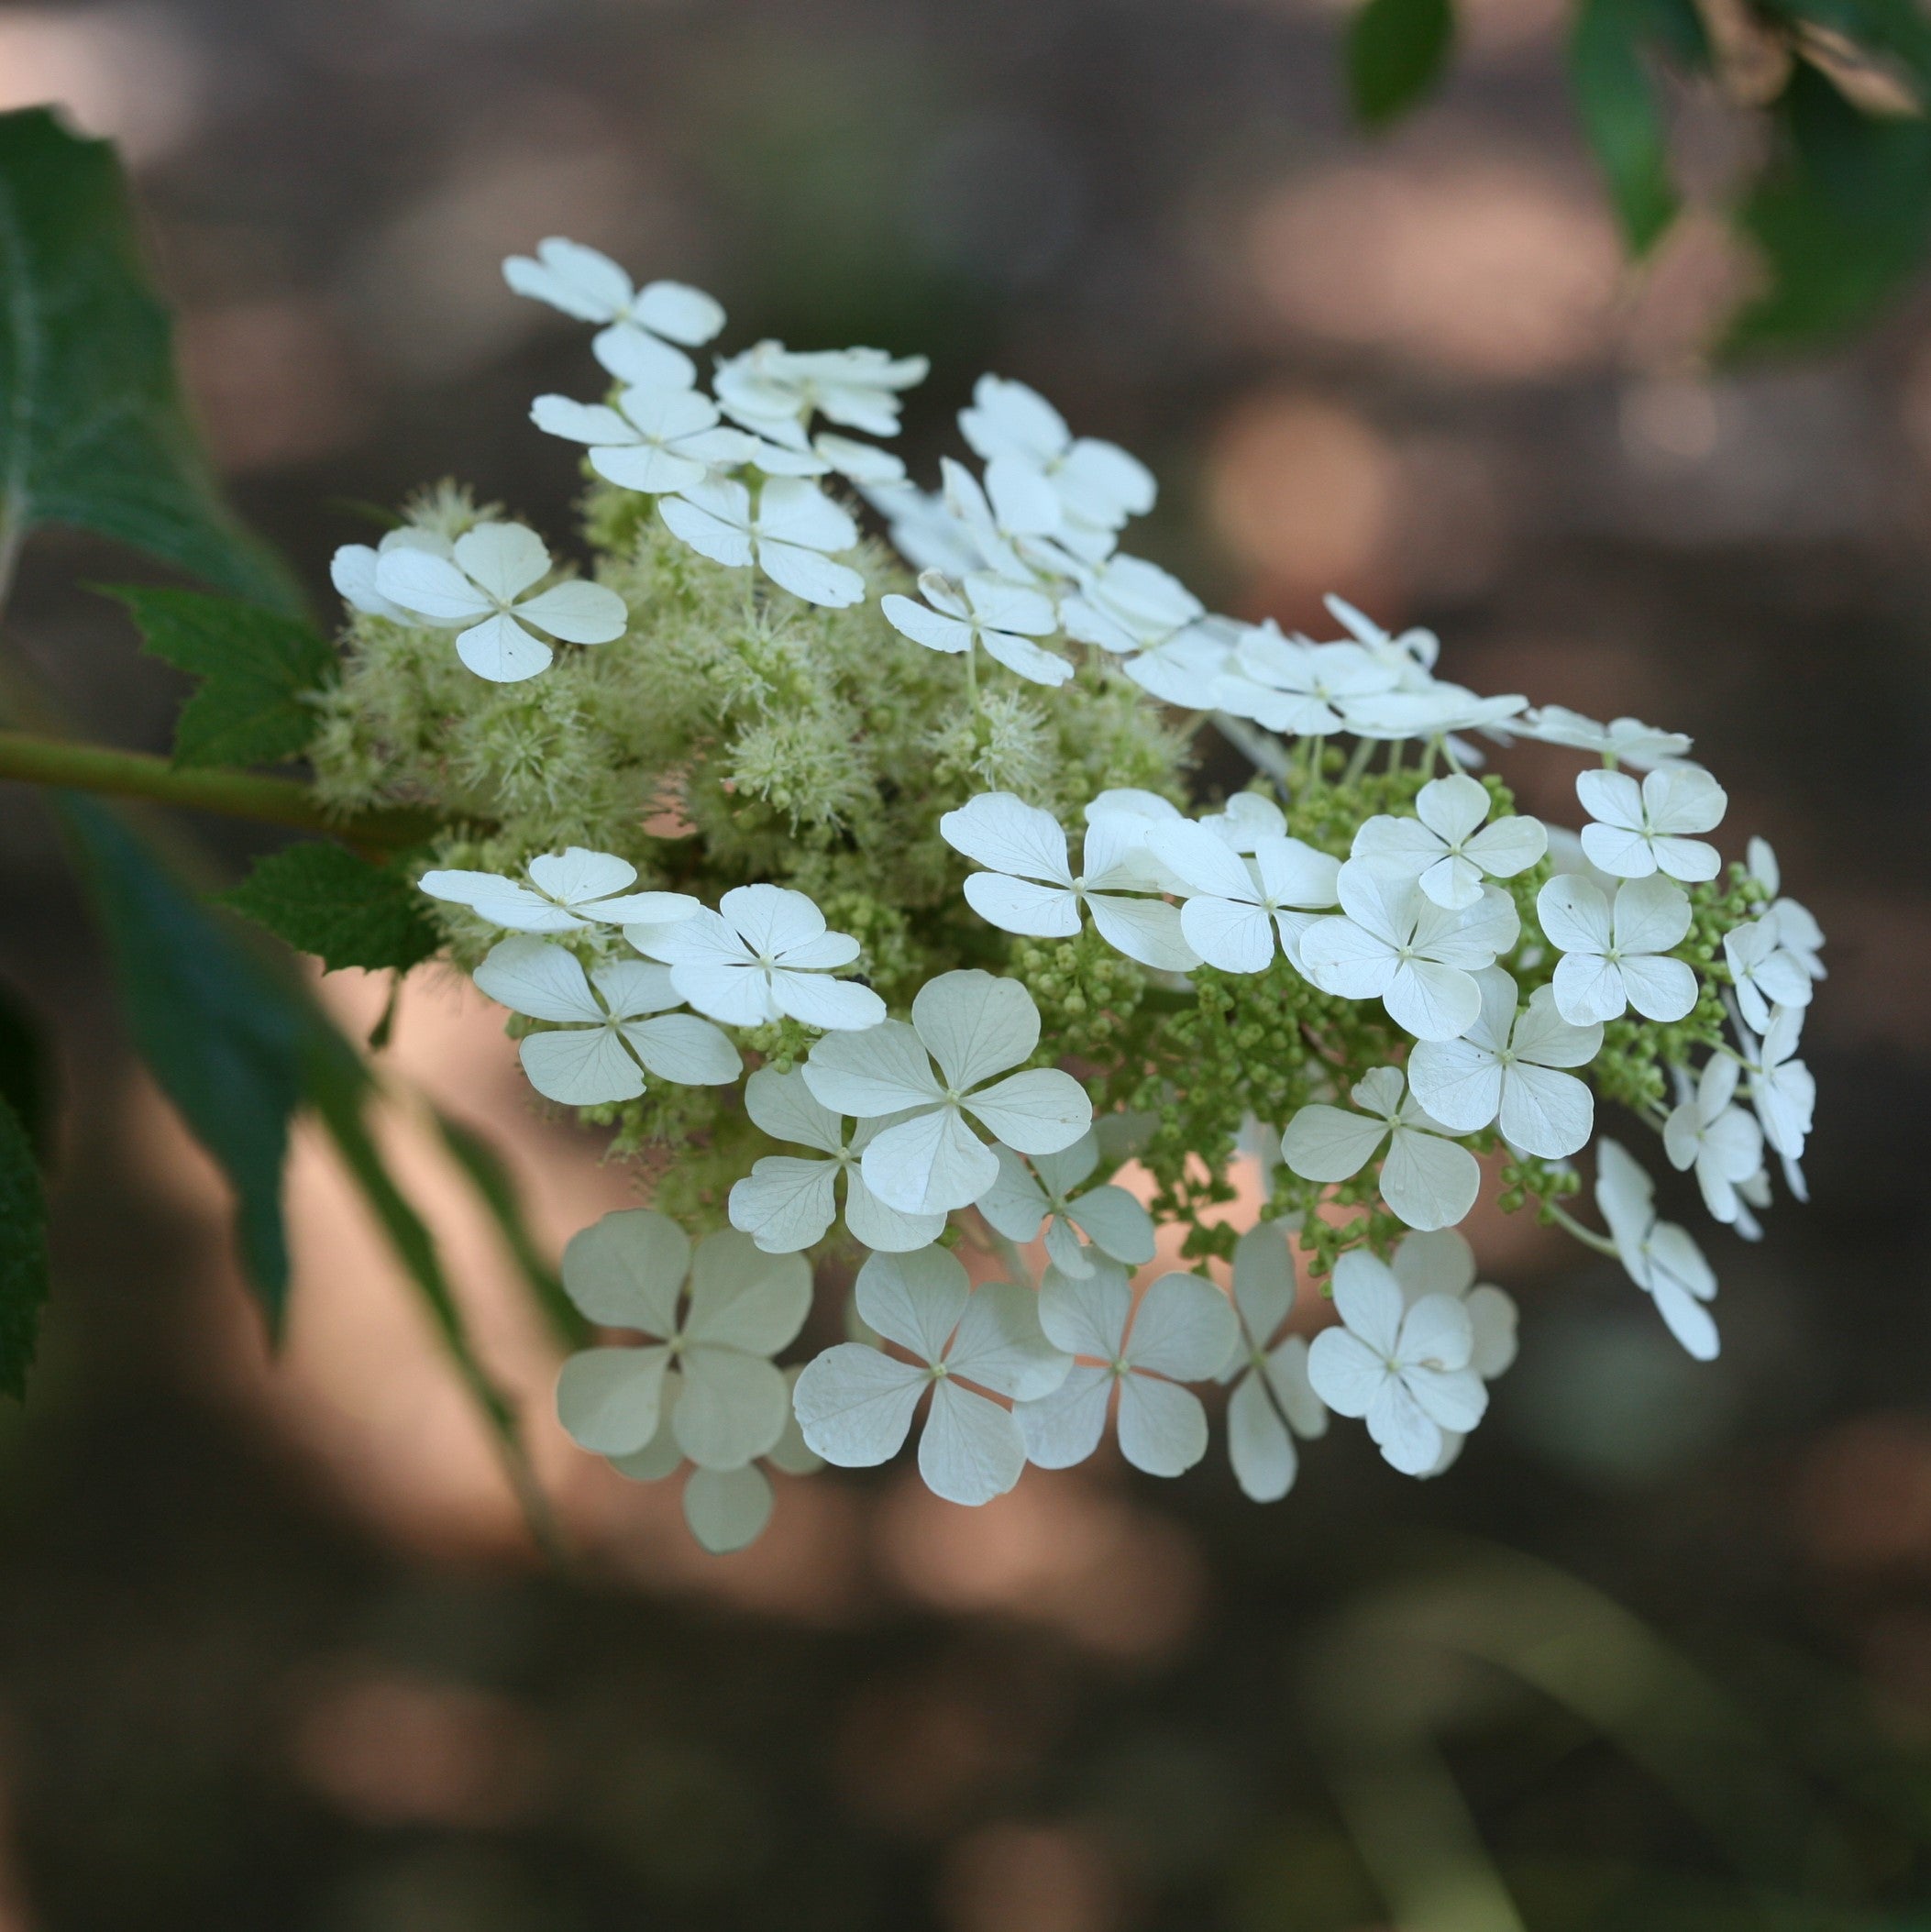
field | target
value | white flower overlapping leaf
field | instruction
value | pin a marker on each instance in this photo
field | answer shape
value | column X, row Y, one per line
column 1638, row 830
column 764, row 954
column 1406, row 1371
column 1395, row 944
column 1238, row 906
column 642, row 326
column 608, row 1026
column 1447, row 847
column 1030, row 887
column 628, row 1270
column 567, row 891
column 1659, row 1257
column 1272, row 1401
column 1426, row 1180
column 855, row 1402
column 352, row 569
column 1615, row 954
column 976, row 1027
column 1182, row 1329
column 478, row 591
column 792, row 533
column 1109, row 1217
column 1506, row 1066
column 787, row 1203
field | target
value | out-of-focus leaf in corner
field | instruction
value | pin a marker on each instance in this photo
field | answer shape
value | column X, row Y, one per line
column 1396, row 52
column 322, row 899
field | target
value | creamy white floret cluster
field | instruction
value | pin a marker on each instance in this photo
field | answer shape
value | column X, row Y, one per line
column 1368, row 978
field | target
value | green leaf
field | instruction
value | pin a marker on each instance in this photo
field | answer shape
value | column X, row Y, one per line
column 1397, row 50
column 257, row 669
column 493, row 1182
column 322, row 898
column 1842, row 220
column 94, row 432
column 1622, row 116
column 23, row 1253
column 221, row 1036
column 27, row 1077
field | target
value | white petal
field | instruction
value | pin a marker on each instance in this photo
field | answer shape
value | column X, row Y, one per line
column 580, row 1067
column 1341, row 956
column 1329, row 1144
column 1087, row 1315
column 727, row 1509
column 883, row 1070
column 1544, row 1036
column 430, row 586
column 578, row 613
column 1148, row 929
column 1452, row 807
column 744, row 1299
column 1183, row 1328
column 1065, row 1428
column 1621, row 854
column 1457, row 1081
column 1264, row 1283
column 625, row 1270
column 1006, row 835
column 1612, row 797
column 784, row 1106
column 835, row 1005
column 1436, row 1332
column 1546, row 1113
column 505, row 559
column 580, row 280
column 854, row 1405
column 579, row 422
column 1025, row 659
column 936, row 632
column 502, row 651
column 1661, row 989
column 1651, row 915
column 1440, row 1262
column 884, row 1229
column 1163, row 1427
column 532, row 977
column 608, row 1398
column 675, row 309
column 1587, row 989
column 1116, row 1224
column 1429, row 1182
column 785, row 1203
column 808, row 574
column 971, row 1449
column 1574, row 915
column 1406, row 1436
column 738, row 993
column 1258, row 1445
column 1039, row 1112
column 1232, row 934
column 1433, row 1001
column 1001, row 1345
column 683, row 1049
column 1347, row 1375
column 976, row 1026
column 1508, row 846
column 1369, row 1299
column 930, row 1163
column 707, row 533
column 1018, row 905
column 731, row 1407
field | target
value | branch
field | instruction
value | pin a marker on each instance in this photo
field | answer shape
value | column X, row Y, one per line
column 233, row 794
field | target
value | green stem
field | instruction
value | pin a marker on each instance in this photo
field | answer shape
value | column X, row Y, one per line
column 1358, row 763
column 35, row 760
column 1587, row 1236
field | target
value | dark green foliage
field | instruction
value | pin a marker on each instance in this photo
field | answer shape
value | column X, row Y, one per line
column 223, row 1037
column 322, row 899
column 1397, row 50
column 255, row 667
column 1623, row 117
column 94, row 432
column 23, row 1252
column 27, row 1076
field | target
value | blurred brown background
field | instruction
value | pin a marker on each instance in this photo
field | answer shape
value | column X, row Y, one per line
column 1656, row 1654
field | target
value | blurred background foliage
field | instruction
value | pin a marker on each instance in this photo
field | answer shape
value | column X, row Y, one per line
column 1658, row 1654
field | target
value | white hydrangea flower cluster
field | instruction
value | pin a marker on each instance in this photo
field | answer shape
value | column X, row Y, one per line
column 1389, row 982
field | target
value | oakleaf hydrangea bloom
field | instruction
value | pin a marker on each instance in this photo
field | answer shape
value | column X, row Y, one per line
column 984, row 613
column 1182, row 1329
column 763, row 954
column 1638, row 830
column 478, row 590
column 856, row 1404
column 568, row 891
column 793, row 532
column 975, row 1026
column 1029, row 884
column 1764, row 975
column 1364, row 961
column 1707, row 1131
column 787, row 1203
column 1405, row 1370
column 611, row 1024
column 726, row 1510
column 1426, row 1178
column 628, row 1270
column 1444, row 1264
column 1395, row 944
column 1235, row 906
column 1109, row 1217
column 1447, row 848
column 654, row 440
column 1504, row 1067
column 1659, row 1257
column 641, row 325
column 1614, row 957
column 1626, row 740
column 1272, row 1401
